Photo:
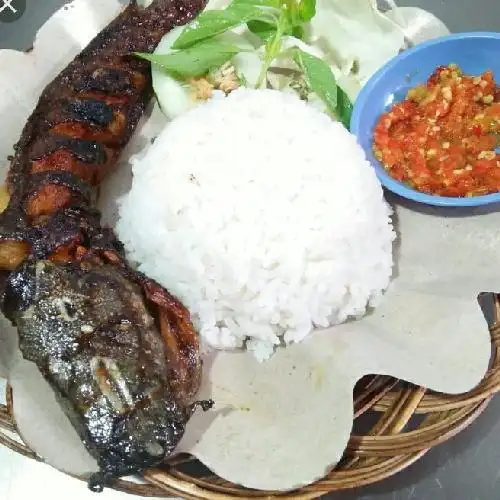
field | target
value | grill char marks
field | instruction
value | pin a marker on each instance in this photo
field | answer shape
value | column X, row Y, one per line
column 84, row 150
column 54, row 188
column 83, row 162
column 111, row 80
column 87, row 114
column 92, row 111
column 99, row 97
column 63, row 160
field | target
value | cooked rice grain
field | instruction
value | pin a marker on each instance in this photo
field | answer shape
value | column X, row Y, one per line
column 263, row 216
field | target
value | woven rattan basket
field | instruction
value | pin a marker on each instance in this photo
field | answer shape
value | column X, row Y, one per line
column 395, row 424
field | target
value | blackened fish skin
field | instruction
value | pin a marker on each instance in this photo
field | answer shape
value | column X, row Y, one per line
column 119, row 351
column 83, row 120
column 86, row 327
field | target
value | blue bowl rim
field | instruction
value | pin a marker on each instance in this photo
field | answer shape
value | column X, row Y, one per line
column 365, row 93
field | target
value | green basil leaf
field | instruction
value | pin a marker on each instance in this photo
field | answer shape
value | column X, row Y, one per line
column 207, row 25
column 298, row 13
column 298, row 32
column 214, row 22
column 265, row 31
column 194, row 61
column 319, row 77
column 307, row 10
column 291, row 10
column 344, row 108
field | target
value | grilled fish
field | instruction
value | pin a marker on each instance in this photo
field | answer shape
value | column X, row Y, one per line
column 86, row 326
column 120, row 352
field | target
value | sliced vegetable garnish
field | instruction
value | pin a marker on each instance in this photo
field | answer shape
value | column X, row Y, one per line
column 194, row 61
column 211, row 40
column 319, row 77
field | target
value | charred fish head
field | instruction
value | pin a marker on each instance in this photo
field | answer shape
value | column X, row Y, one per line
column 87, row 328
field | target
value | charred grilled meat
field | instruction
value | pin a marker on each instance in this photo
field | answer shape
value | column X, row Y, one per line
column 86, row 326
column 118, row 350
column 82, row 121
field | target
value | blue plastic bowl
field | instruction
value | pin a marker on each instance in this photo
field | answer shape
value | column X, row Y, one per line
column 473, row 52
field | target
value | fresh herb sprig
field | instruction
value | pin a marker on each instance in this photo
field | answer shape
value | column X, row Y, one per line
column 199, row 47
column 272, row 46
column 322, row 82
column 196, row 60
column 212, row 23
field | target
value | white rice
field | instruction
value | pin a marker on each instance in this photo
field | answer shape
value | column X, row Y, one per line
column 263, row 216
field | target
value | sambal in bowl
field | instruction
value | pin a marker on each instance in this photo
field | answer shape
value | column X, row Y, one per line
column 429, row 121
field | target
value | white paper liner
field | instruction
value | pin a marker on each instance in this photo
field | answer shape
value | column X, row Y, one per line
column 284, row 423
column 418, row 25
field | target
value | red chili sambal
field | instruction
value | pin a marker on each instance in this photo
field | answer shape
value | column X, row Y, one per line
column 442, row 138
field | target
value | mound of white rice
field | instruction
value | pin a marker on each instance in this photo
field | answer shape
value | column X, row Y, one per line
column 263, row 216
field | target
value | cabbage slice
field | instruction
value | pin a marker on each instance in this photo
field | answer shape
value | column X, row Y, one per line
column 173, row 96
column 356, row 38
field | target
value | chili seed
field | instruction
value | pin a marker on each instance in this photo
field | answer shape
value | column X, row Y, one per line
column 486, row 155
column 447, row 94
